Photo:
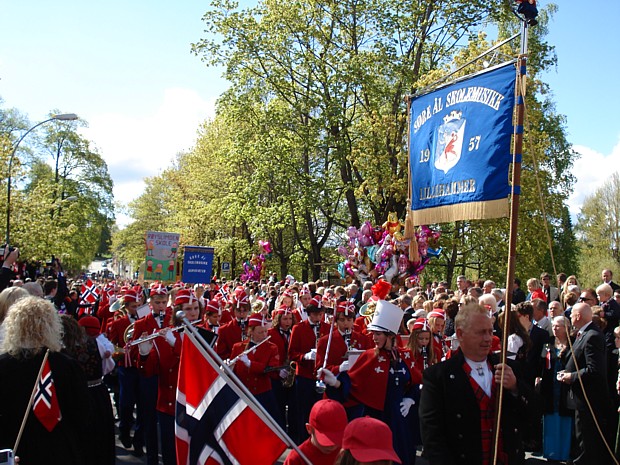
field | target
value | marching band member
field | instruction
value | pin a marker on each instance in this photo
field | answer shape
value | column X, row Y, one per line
column 212, row 316
column 343, row 339
column 252, row 368
column 159, row 359
column 303, row 302
column 437, row 322
column 283, row 388
column 383, row 380
column 128, row 377
column 158, row 319
column 420, row 344
column 235, row 330
column 302, row 350
column 287, row 299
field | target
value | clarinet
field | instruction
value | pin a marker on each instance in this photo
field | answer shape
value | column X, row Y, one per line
column 244, row 334
column 347, row 338
column 424, row 351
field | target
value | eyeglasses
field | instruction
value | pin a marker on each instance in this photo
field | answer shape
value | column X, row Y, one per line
column 584, row 299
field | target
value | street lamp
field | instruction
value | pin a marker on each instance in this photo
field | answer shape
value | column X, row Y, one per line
column 61, row 117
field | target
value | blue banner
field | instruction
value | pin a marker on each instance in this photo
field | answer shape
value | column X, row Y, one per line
column 197, row 264
column 459, row 149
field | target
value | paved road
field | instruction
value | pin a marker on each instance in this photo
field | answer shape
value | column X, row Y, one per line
column 124, row 457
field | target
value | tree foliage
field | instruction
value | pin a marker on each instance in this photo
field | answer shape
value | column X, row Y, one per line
column 61, row 191
column 311, row 135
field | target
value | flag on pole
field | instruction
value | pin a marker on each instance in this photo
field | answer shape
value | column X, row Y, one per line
column 45, row 404
column 89, row 292
column 222, row 294
column 459, row 149
column 213, row 424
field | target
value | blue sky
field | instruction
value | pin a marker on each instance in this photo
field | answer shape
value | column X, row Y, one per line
column 126, row 68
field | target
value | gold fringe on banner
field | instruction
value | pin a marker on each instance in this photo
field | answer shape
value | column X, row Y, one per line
column 462, row 211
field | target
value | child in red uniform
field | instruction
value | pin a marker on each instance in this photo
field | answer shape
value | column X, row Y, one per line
column 326, row 428
column 420, row 344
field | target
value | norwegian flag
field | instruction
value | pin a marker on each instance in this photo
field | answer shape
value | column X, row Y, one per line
column 222, row 294
column 214, row 426
column 45, row 405
column 548, row 358
column 90, row 293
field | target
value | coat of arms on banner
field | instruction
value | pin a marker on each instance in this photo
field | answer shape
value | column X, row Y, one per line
column 449, row 141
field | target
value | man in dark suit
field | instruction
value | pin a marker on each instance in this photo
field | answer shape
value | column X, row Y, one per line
column 457, row 404
column 588, row 366
column 607, row 276
column 518, row 295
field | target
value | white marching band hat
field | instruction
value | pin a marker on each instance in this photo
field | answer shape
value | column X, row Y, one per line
column 387, row 317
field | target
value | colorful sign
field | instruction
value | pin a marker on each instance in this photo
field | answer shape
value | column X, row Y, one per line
column 161, row 256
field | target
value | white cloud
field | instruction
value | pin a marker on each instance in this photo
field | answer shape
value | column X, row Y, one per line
column 591, row 170
column 136, row 147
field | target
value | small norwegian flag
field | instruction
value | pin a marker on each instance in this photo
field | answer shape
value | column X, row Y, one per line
column 222, row 294
column 45, row 405
column 90, row 293
column 548, row 359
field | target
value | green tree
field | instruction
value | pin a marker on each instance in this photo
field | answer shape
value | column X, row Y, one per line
column 599, row 231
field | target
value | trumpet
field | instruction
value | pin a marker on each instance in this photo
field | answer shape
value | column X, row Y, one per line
column 156, row 334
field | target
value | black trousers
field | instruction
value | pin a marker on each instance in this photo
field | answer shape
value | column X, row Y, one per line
column 590, row 444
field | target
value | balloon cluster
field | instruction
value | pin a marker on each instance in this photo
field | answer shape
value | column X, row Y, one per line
column 253, row 269
column 372, row 251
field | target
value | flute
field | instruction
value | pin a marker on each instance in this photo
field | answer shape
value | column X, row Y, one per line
column 247, row 351
column 150, row 337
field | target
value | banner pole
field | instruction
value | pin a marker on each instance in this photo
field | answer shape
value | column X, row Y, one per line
column 517, row 158
column 237, row 386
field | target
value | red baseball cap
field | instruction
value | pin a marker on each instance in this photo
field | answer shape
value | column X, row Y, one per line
column 329, row 420
column 369, row 440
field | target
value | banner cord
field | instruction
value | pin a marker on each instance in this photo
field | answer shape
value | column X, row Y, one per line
column 521, row 84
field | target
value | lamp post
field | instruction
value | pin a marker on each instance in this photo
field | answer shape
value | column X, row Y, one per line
column 61, row 117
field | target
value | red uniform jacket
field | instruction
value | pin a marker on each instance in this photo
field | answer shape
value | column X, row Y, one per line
column 105, row 316
column 278, row 339
column 302, row 341
column 254, row 376
column 228, row 336
column 369, row 376
column 226, row 317
column 147, row 325
column 163, row 360
column 361, row 322
column 338, row 349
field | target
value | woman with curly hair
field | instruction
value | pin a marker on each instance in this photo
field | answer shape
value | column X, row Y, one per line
column 7, row 298
column 33, row 330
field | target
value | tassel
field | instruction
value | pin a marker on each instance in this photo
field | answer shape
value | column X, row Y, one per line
column 414, row 252
column 409, row 224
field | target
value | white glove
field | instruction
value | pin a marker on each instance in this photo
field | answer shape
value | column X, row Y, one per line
column 170, row 339
column 344, row 366
column 310, row 355
column 405, row 405
column 245, row 360
column 283, row 373
column 327, row 376
column 145, row 348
